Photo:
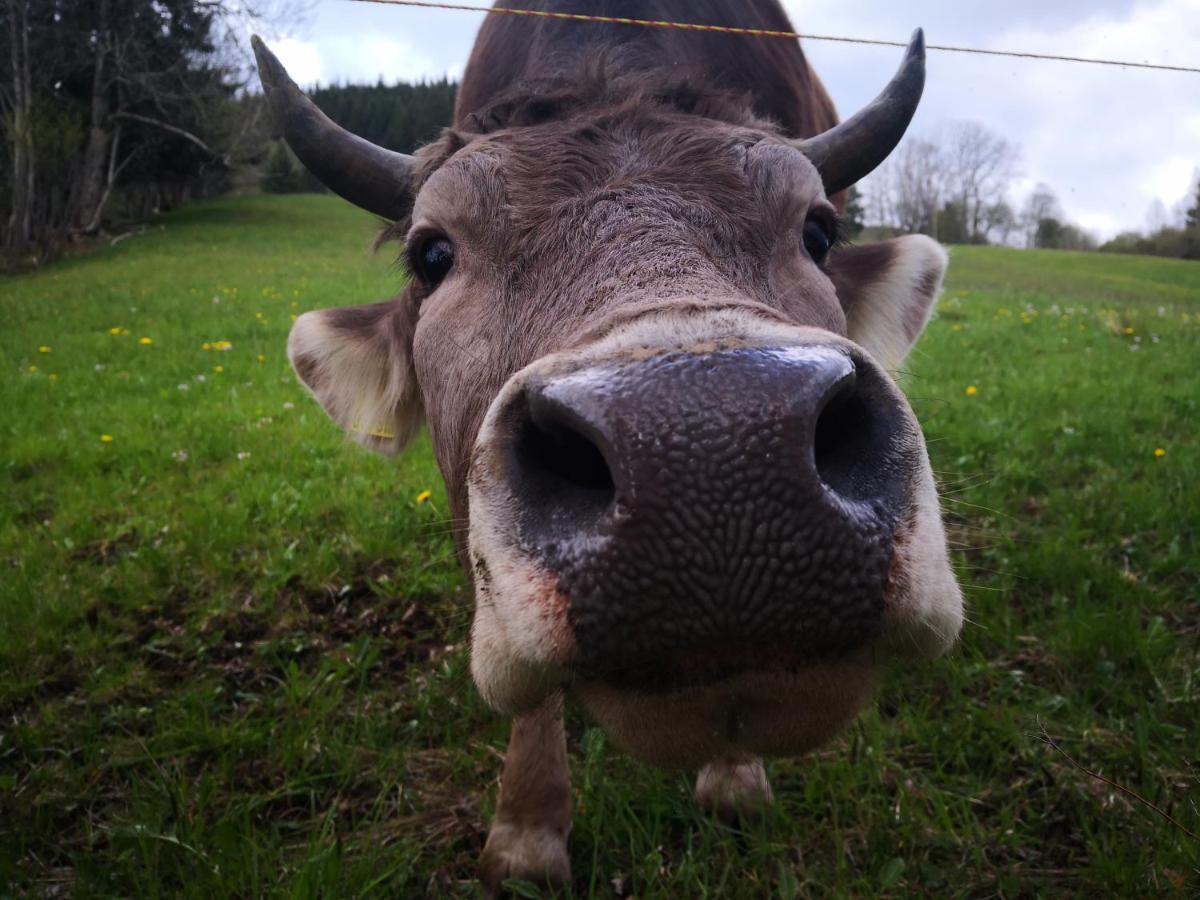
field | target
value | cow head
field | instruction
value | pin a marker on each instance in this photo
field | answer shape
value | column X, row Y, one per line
column 662, row 398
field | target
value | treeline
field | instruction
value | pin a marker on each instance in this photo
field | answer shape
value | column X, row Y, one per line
column 111, row 108
column 1180, row 240
column 116, row 109
column 400, row 117
column 955, row 185
column 952, row 185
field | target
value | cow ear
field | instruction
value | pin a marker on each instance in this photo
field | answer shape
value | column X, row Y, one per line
column 888, row 291
column 357, row 362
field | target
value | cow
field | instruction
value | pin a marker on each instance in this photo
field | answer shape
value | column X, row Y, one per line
column 660, row 388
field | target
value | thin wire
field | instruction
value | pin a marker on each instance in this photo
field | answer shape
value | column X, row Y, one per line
column 765, row 32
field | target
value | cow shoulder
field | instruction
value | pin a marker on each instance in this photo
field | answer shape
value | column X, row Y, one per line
column 357, row 362
column 888, row 291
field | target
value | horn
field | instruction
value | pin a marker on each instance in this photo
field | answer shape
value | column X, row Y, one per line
column 849, row 151
column 374, row 178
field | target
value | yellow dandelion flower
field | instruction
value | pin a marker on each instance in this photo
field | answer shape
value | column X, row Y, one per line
column 52, row 377
column 261, row 358
column 292, row 317
column 206, row 346
column 971, row 390
column 1128, row 330
column 33, row 370
column 43, row 349
column 424, row 496
column 145, row 341
column 956, row 328
column 106, row 438
column 218, row 369
column 116, row 329
column 1160, row 452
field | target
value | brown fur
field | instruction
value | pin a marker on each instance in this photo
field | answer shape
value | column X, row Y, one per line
column 511, row 51
column 533, row 812
column 651, row 205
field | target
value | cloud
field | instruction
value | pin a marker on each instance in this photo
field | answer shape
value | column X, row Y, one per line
column 302, row 59
column 361, row 43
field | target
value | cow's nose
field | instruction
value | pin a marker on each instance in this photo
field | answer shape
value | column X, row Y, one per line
column 688, row 498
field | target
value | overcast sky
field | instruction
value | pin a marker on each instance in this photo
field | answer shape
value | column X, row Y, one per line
column 1108, row 140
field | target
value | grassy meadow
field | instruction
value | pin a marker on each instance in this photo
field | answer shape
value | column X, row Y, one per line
column 233, row 651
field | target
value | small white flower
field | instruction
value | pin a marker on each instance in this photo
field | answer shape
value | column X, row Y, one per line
column 99, row 367
column 289, row 405
column 1067, row 429
column 184, row 386
column 180, row 456
column 243, row 454
column 201, row 377
column 1154, row 338
column 216, row 300
column 1162, row 311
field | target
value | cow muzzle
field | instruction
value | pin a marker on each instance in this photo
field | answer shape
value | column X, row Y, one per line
column 695, row 506
column 663, row 521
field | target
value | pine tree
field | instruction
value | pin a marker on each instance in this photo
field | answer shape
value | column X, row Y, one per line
column 1192, row 223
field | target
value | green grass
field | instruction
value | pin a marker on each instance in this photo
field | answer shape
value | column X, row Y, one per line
column 233, row 647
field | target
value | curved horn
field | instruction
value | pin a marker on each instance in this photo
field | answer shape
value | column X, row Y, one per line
column 374, row 178
column 849, row 151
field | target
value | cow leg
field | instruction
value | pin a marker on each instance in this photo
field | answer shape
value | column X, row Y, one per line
column 733, row 787
column 528, row 837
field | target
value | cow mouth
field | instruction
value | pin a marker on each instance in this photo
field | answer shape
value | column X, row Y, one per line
column 709, row 666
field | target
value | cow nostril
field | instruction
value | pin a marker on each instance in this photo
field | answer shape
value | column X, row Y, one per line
column 559, row 453
column 853, row 441
column 558, row 471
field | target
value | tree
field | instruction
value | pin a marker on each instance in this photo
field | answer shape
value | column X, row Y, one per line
column 1041, row 205
column 1191, row 220
column 911, row 187
column 999, row 222
column 954, row 186
column 1156, row 215
column 950, row 224
column 18, row 116
column 108, row 96
column 979, row 166
column 855, row 213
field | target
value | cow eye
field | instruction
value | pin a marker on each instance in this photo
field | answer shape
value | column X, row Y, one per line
column 434, row 260
column 817, row 240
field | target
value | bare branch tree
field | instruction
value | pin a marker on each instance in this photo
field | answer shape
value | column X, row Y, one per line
column 980, row 166
column 1041, row 205
column 953, row 186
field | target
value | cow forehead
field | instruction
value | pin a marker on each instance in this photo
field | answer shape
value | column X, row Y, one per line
column 531, row 178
